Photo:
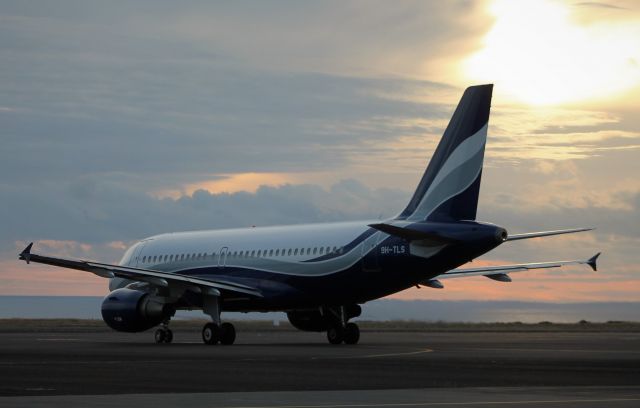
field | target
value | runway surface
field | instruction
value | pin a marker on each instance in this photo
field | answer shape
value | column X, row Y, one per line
column 285, row 368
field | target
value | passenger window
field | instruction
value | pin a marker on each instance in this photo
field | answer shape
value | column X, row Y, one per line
column 271, row 252
column 315, row 250
column 295, row 252
column 259, row 252
column 289, row 253
column 328, row 249
column 277, row 252
column 308, row 251
column 321, row 250
column 253, row 253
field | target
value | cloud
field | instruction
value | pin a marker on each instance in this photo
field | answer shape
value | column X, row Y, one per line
column 123, row 122
column 95, row 211
column 597, row 4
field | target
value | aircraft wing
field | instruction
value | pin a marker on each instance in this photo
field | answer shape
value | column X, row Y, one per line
column 157, row 278
column 499, row 273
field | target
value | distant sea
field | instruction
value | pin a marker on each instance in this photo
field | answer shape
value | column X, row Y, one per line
column 88, row 307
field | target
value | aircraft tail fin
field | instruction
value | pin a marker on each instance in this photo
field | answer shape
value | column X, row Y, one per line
column 450, row 186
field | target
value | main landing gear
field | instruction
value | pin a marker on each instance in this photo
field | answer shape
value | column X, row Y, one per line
column 224, row 333
column 216, row 331
column 340, row 330
column 349, row 334
column 164, row 333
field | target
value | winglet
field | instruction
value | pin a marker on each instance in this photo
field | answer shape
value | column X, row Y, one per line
column 25, row 255
column 592, row 261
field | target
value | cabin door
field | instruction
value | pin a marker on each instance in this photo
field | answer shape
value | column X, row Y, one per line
column 222, row 257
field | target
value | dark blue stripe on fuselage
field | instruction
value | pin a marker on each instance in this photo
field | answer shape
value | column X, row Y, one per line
column 347, row 248
column 373, row 276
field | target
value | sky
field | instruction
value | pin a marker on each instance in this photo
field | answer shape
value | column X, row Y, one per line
column 122, row 120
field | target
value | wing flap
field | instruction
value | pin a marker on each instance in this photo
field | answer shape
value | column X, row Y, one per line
column 157, row 278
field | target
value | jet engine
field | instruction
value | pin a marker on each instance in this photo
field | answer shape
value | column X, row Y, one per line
column 129, row 310
column 307, row 320
column 315, row 320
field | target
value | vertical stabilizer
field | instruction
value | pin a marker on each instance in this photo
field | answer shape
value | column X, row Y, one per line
column 450, row 186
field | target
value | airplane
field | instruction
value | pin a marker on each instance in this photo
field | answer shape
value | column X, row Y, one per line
column 318, row 274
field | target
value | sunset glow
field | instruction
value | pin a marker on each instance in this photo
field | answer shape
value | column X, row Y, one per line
column 537, row 53
column 120, row 124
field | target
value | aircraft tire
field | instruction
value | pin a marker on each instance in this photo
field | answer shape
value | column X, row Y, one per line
column 227, row 334
column 211, row 333
column 351, row 333
column 159, row 336
column 168, row 336
column 335, row 335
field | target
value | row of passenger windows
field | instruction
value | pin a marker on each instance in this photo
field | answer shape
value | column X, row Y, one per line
column 260, row 253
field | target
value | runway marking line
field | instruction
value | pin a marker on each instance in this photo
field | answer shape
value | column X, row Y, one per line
column 547, row 350
column 435, row 404
column 59, row 339
column 409, row 353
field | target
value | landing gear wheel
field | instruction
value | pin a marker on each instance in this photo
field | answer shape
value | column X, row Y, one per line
column 335, row 334
column 227, row 334
column 159, row 336
column 168, row 336
column 163, row 335
column 351, row 333
column 211, row 333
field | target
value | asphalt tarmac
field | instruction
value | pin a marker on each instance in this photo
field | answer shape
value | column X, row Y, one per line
column 288, row 368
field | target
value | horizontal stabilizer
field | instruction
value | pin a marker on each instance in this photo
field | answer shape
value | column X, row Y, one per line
column 515, row 237
column 411, row 234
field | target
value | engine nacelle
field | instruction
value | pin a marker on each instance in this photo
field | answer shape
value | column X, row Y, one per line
column 307, row 320
column 314, row 320
column 129, row 310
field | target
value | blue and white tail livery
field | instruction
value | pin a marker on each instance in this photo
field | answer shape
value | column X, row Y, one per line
column 449, row 187
column 319, row 274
